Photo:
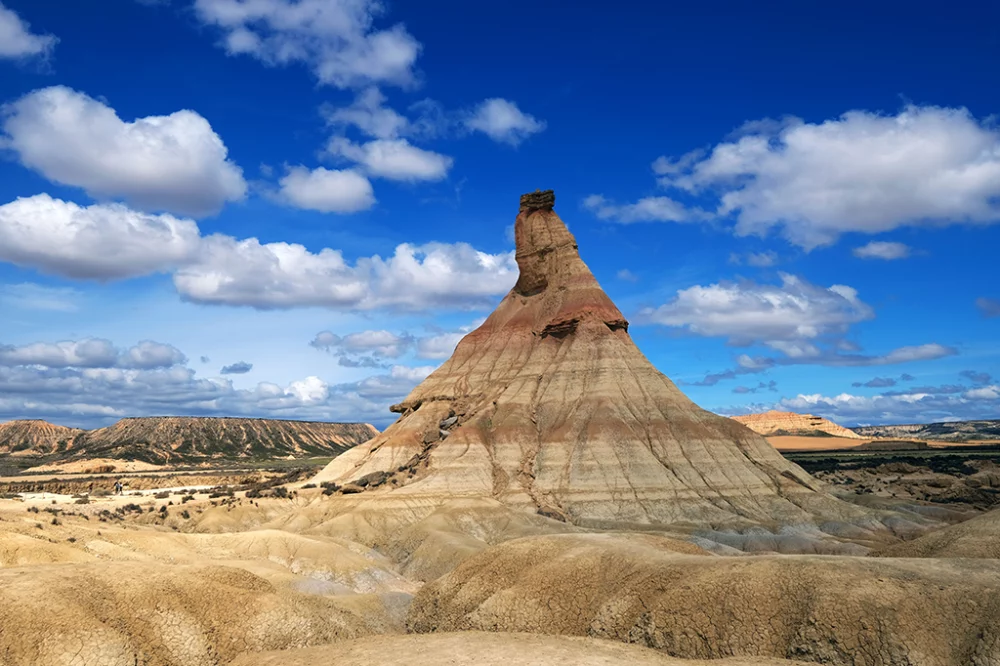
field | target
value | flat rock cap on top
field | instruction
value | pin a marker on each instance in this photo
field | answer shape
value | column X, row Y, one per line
column 538, row 200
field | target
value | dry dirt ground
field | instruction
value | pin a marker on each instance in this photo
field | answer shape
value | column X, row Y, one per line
column 476, row 648
column 155, row 580
column 803, row 443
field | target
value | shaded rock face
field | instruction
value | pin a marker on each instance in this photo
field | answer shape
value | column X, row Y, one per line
column 790, row 423
column 550, row 406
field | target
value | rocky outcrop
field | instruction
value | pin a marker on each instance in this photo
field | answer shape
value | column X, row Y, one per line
column 175, row 439
column 34, row 437
column 790, row 423
column 958, row 431
column 550, row 407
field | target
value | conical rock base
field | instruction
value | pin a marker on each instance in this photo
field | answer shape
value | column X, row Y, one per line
column 550, row 406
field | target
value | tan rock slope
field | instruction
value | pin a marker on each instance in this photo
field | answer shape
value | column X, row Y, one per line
column 34, row 437
column 550, row 406
column 97, row 591
column 169, row 439
column 128, row 613
column 789, row 423
column 975, row 538
column 843, row 611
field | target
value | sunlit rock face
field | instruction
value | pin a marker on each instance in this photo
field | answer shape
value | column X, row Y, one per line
column 550, row 406
column 789, row 423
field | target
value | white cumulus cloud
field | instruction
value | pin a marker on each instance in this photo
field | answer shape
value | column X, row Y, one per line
column 336, row 38
column 502, row 121
column 309, row 390
column 283, row 275
column 984, row 393
column 174, row 163
column 111, row 241
column 363, row 349
column 17, row 40
column 898, row 407
column 92, row 353
column 102, row 242
column 369, row 114
column 862, row 172
column 326, row 190
column 149, row 354
column 794, row 312
column 394, row 159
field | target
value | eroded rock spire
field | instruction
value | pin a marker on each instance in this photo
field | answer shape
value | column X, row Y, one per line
column 549, row 406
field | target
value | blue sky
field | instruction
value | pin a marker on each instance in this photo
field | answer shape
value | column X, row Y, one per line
column 295, row 209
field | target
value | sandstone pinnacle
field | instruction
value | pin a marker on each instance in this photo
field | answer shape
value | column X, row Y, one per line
column 551, row 407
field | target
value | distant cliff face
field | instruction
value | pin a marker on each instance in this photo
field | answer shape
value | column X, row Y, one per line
column 790, row 423
column 177, row 439
column 172, row 439
column 34, row 437
column 958, row 431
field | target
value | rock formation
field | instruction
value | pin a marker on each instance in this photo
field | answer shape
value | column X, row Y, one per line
column 34, row 437
column 790, row 423
column 174, row 439
column 549, row 406
column 958, row 431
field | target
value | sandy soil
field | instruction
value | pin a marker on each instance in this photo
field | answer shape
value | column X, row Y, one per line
column 95, row 466
column 476, row 648
column 801, row 443
column 157, row 581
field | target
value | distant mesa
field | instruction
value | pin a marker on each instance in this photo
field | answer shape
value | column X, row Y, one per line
column 168, row 439
column 774, row 423
column 550, row 407
column 955, row 431
column 31, row 437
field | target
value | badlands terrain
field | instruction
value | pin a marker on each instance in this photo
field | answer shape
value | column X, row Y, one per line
column 181, row 439
column 545, row 497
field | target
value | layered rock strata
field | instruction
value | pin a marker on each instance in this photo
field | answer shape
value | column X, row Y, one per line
column 789, row 423
column 550, row 406
column 34, row 437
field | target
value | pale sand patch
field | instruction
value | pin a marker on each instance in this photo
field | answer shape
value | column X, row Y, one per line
column 95, row 466
column 476, row 648
column 804, row 443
